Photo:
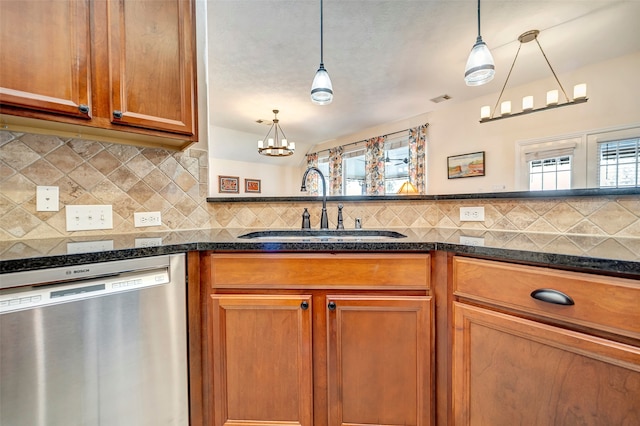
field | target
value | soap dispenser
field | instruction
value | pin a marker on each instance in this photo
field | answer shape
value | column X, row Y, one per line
column 306, row 221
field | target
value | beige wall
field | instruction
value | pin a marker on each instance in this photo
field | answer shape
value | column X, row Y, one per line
column 613, row 101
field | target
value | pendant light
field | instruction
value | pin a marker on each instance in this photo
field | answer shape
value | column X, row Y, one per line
column 321, row 89
column 480, row 67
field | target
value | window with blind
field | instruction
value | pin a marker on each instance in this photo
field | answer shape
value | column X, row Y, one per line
column 550, row 167
column 618, row 163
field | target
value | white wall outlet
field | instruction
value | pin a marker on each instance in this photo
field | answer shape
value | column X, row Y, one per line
column 148, row 242
column 47, row 198
column 89, row 246
column 147, row 219
column 90, row 217
column 472, row 241
column 471, row 214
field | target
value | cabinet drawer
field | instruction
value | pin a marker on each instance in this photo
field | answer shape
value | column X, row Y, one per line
column 289, row 270
column 606, row 303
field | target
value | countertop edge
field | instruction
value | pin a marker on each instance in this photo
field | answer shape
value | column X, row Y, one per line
column 626, row 268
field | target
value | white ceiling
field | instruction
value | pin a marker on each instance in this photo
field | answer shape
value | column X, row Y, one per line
column 387, row 59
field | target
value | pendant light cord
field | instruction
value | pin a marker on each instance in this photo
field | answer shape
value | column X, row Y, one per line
column 479, row 37
column 321, row 37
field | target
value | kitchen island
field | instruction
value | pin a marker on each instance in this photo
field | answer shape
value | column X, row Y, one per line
column 445, row 298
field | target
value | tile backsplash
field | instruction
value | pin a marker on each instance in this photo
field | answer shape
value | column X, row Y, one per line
column 134, row 179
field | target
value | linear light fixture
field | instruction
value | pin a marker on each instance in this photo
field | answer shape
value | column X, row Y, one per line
column 579, row 90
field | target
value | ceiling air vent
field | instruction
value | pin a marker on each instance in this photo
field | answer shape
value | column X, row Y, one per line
column 441, row 98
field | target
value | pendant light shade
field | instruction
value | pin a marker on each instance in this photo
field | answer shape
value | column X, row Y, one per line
column 480, row 67
column 321, row 88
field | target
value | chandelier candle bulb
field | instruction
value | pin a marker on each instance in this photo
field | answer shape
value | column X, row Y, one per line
column 270, row 142
column 260, row 144
column 579, row 92
column 552, row 97
column 505, row 108
column 292, row 146
column 485, row 112
column 527, row 103
column 284, row 143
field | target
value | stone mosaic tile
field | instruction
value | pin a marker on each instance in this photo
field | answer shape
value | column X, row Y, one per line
column 41, row 144
column 18, row 155
column 612, row 218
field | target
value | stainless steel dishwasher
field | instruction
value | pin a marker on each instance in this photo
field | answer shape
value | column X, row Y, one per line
column 97, row 344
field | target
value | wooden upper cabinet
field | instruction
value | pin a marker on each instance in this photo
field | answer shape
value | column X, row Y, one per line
column 45, row 56
column 116, row 70
column 151, row 64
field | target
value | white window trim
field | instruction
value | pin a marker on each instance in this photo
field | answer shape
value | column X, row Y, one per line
column 550, row 148
column 593, row 139
column 584, row 173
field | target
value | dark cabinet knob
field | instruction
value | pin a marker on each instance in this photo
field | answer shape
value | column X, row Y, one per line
column 332, row 306
column 304, row 305
column 117, row 114
column 83, row 108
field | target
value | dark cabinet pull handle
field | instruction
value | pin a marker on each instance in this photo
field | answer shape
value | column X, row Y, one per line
column 304, row 305
column 117, row 114
column 552, row 296
column 332, row 306
column 83, row 108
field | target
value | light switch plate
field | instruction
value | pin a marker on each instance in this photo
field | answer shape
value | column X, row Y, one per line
column 47, row 198
column 89, row 217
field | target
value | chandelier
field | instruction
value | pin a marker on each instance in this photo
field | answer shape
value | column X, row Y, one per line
column 276, row 145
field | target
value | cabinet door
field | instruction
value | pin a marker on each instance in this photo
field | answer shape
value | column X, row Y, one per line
column 261, row 358
column 379, row 356
column 511, row 371
column 152, row 63
column 44, row 56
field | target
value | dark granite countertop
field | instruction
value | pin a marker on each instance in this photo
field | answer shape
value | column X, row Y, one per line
column 618, row 256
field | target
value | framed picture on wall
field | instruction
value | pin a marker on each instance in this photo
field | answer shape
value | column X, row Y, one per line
column 252, row 185
column 466, row 165
column 229, row 184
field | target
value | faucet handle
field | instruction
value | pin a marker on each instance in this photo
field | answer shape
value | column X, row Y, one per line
column 358, row 223
column 340, row 221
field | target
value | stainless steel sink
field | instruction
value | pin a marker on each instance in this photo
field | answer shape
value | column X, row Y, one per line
column 323, row 235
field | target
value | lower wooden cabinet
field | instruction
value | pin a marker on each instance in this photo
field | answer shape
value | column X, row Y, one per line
column 513, row 371
column 329, row 352
column 539, row 346
column 379, row 365
column 261, row 353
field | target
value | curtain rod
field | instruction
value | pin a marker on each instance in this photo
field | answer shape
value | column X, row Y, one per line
column 364, row 140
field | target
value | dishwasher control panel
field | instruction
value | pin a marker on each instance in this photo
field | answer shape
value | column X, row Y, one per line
column 37, row 296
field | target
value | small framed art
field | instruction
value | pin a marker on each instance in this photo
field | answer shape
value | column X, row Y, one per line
column 252, row 185
column 466, row 165
column 228, row 184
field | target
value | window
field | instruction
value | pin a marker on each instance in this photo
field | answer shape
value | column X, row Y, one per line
column 550, row 174
column 353, row 174
column 618, row 163
column 396, row 167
